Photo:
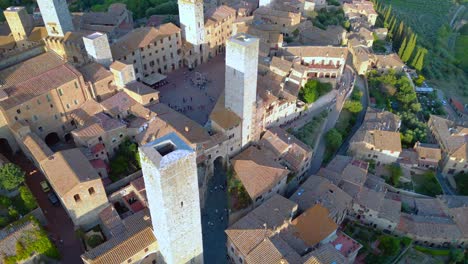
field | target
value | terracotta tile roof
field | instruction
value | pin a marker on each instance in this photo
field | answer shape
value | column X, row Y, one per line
column 118, row 103
column 452, row 137
column 141, row 37
column 381, row 120
column 67, row 169
column 285, row 145
column 325, row 254
column 94, row 72
column 37, row 147
column 98, row 125
column 460, row 217
column 273, row 250
column 389, row 61
column 314, row 225
column 390, row 210
column 280, row 64
column 111, row 220
column 86, row 111
column 247, row 233
column 318, row 190
column 137, row 236
column 224, row 117
column 428, row 152
column 184, row 126
column 356, row 172
column 118, row 65
column 258, row 171
column 345, row 244
column 386, row 140
column 140, row 88
column 429, row 227
column 218, row 14
column 370, row 199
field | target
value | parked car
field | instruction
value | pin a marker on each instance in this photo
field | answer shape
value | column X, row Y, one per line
column 45, row 187
column 444, row 102
column 53, row 198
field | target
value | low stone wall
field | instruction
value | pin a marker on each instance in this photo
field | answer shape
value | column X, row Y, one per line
column 16, row 57
column 122, row 182
column 39, row 215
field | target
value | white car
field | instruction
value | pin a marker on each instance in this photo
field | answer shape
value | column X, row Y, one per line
column 444, row 102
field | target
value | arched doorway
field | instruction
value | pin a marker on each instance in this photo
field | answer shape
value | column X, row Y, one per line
column 5, row 148
column 219, row 162
column 52, row 139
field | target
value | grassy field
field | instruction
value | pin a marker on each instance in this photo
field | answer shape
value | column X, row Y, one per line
column 461, row 51
column 424, row 16
column 426, row 184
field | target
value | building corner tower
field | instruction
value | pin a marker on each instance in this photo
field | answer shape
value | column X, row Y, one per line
column 56, row 16
column 192, row 21
column 170, row 175
column 241, row 81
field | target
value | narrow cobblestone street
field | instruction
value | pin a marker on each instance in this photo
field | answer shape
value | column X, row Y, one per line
column 215, row 218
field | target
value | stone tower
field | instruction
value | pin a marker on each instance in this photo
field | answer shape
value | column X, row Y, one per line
column 123, row 73
column 19, row 21
column 192, row 21
column 56, row 16
column 97, row 47
column 170, row 174
column 241, row 80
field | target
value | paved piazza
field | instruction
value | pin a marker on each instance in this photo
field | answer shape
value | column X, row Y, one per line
column 185, row 96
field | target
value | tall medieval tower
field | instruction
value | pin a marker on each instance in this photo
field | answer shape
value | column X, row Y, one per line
column 170, row 174
column 241, row 81
column 192, row 21
column 19, row 21
column 56, row 16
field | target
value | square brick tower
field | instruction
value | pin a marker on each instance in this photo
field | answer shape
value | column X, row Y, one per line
column 97, row 47
column 19, row 21
column 192, row 21
column 170, row 174
column 241, row 81
column 56, row 16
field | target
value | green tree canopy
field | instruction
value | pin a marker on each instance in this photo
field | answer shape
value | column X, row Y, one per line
column 389, row 245
column 333, row 139
column 11, row 176
column 353, row 106
column 312, row 90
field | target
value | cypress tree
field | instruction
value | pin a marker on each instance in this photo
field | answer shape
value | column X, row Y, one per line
column 392, row 24
column 409, row 48
column 399, row 35
column 387, row 15
column 402, row 48
column 416, row 57
column 420, row 62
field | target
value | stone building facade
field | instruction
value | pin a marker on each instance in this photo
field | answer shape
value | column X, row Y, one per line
column 170, row 173
column 150, row 50
column 56, row 16
column 241, row 81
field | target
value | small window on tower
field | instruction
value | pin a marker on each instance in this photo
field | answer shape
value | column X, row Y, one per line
column 181, row 204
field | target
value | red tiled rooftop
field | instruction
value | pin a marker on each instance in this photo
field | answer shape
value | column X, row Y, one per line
column 99, row 164
column 459, row 106
column 137, row 206
column 97, row 148
column 345, row 244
